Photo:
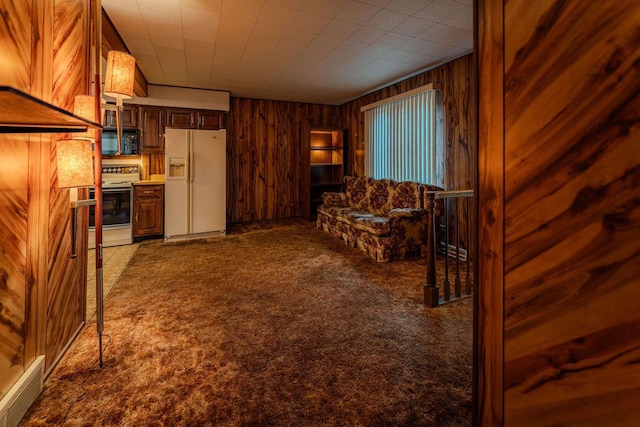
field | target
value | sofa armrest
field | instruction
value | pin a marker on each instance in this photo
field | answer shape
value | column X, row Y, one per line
column 330, row 199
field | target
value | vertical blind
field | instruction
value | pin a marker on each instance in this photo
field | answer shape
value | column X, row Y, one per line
column 402, row 138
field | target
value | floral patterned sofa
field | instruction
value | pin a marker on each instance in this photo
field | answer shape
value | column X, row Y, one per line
column 384, row 218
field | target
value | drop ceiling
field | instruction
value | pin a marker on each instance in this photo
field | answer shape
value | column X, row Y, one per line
column 317, row 51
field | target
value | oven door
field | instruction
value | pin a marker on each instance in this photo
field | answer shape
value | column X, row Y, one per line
column 116, row 207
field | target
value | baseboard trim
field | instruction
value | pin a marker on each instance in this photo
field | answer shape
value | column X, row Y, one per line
column 21, row 396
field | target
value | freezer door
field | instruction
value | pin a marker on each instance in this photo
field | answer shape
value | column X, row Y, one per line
column 176, row 196
column 208, row 181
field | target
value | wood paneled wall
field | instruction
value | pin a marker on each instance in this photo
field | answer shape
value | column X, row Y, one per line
column 456, row 81
column 44, row 46
column 267, row 142
column 268, row 156
column 563, row 165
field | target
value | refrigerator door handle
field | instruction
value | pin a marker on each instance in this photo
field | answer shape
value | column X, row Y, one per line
column 191, row 166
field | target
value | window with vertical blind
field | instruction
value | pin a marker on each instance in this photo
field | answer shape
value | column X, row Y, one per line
column 403, row 137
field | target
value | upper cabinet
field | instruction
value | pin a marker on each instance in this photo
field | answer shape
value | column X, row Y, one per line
column 185, row 118
column 152, row 124
column 213, row 120
column 129, row 116
column 181, row 118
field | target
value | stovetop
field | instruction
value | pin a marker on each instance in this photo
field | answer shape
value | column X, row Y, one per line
column 120, row 175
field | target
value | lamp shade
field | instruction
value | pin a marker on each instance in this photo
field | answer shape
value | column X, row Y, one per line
column 75, row 163
column 118, row 81
column 84, row 106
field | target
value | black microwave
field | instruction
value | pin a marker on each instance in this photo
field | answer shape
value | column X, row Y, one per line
column 110, row 141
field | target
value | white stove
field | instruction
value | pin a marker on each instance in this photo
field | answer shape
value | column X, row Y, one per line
column 114, row 176
column 117, row 205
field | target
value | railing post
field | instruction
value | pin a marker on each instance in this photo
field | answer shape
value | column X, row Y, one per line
column 446, row 285
column 431, row 291
column 467, row 287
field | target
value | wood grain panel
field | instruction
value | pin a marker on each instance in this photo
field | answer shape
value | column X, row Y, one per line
column 572, row 234
column 16, row 44
column 488, row 345
column 13, row 235
column 65, row 294
column 265, row 159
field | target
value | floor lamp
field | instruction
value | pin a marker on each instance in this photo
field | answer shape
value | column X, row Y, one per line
column 119, row 81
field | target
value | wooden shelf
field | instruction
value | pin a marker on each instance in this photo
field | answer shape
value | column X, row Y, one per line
column 22, row 113
column 325, row 148
column 327, row 164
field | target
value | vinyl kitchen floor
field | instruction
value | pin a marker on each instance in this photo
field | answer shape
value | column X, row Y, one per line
column 115, row 259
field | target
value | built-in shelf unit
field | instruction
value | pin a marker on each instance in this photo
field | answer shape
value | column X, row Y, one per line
column 327, row 163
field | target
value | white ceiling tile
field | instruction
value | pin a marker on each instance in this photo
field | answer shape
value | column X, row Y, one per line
column 413, row 26
column 309, row 22
column 124, row 22
column 297, row 50
column 166, row 10
column 421, row 60
column 206, row 5
column 357, row 13
column 415, row 45
column 160, row 41
column 387, row 20
column 277, row 15
column 447, row 35
column 379, row 3
column 392, row 40
column 163, row 29
column 121, row 7
column 352, row 47
column 326, row 8
column 243, row 9
column 203, row 34
column 139, row 43
column 462, row 19
column 340, row 29
column 291, row 4
column 195, row 48
column 367, row 35
column 199, row 18
column 437, row 50
column 322, row 45
column 408, row 7
column 439, row 10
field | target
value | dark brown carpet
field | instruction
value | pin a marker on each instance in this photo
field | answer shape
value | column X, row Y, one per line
column 277, row 327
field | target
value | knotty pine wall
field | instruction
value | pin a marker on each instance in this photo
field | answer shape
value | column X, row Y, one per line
column 44, row 53
column 559, row 172
column 267, row 143
column 268, row 156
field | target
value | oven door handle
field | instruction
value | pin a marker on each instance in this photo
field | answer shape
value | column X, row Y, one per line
column 115, row 189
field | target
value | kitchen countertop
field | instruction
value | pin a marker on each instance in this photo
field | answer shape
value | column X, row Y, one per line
column 149, row 182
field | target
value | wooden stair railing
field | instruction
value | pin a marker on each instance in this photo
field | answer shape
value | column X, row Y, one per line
column 431, row 289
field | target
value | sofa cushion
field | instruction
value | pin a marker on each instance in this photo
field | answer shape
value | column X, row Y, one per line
column 356, row 190
column 365, row 221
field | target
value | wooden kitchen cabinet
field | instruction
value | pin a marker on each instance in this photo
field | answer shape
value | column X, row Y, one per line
column 148, row 216
column 129, row 115
column 152, row 124
column 181, row 118
column 209, row 119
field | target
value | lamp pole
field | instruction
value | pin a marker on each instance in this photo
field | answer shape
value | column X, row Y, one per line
column 97, row 42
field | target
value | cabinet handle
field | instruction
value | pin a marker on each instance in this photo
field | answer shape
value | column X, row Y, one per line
column 136, row 217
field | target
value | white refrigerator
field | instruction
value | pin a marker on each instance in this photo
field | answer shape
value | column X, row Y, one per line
column 195, row 184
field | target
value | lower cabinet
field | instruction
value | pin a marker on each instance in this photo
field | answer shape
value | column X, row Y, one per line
column 148, row 202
